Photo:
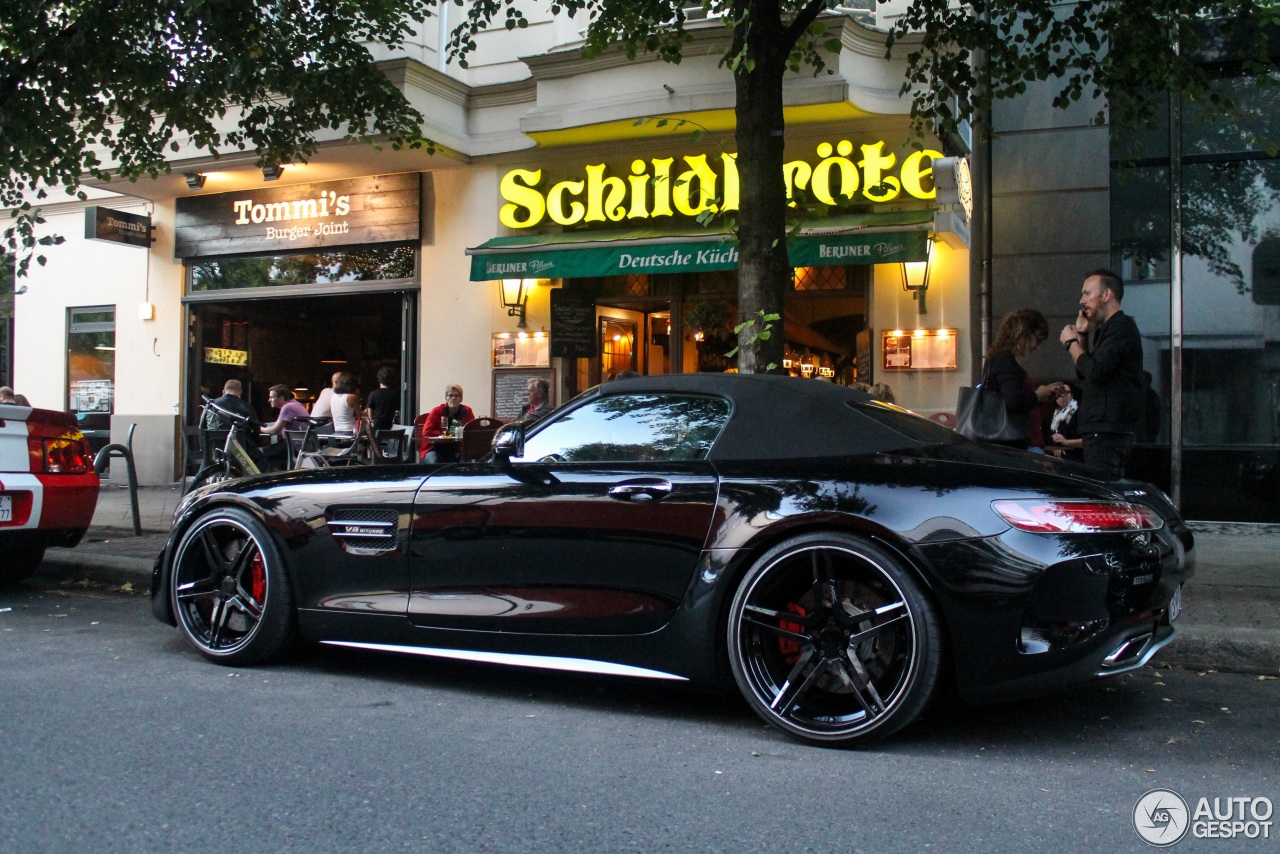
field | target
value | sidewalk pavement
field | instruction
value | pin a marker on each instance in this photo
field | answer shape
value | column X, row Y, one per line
column 1230, row 619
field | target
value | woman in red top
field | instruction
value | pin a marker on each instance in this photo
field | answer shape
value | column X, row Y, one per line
column 441, row 420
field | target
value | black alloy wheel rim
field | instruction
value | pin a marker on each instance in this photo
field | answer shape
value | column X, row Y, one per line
column 827, row 642
column 220, row 585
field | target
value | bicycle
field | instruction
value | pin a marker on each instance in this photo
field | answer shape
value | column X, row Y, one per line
column 231, row 460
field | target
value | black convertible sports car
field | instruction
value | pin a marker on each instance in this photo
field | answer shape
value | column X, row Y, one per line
column 833, row 556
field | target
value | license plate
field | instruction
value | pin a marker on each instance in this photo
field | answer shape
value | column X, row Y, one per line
column 1175, row 604
column 6, row 508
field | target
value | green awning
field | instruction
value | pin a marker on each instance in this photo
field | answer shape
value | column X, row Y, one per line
column 854, row 240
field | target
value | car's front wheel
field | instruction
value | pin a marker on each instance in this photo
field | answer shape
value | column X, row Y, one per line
column 832, row 641
column 229, row 589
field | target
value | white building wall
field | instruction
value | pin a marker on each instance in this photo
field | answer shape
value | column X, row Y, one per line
column 458, row 315
column 892, row 308
column 84, row 272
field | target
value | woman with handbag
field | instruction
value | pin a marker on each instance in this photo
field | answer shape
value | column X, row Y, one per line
column 1020, row 333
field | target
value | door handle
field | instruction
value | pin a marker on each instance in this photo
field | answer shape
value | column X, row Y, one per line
column 646, row 490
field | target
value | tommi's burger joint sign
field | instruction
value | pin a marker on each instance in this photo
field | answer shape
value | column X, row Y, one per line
column 359, row 211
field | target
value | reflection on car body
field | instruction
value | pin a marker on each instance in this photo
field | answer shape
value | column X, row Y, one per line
column 658, row 527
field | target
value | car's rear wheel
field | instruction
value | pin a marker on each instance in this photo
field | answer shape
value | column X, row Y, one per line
column 22, row 557
column 832, row 641
column 229, row 589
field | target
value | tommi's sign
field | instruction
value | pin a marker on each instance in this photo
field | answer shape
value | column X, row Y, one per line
column 117, row 226
column 359, row 211
column 659, row 187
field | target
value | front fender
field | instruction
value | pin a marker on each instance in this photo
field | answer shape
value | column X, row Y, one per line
column 161, row 606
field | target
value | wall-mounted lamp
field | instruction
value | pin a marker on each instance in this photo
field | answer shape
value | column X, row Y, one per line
column 195, row 180
column 272, row 172
column 514, row 293
column 915, row 276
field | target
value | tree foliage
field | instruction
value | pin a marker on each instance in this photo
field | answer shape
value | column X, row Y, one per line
column 96, row 89
column 1129, row 54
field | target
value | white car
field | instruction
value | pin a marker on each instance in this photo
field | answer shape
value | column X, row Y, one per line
column 48, row 488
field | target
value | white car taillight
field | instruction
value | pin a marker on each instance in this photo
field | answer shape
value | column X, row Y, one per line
column 1076, row 517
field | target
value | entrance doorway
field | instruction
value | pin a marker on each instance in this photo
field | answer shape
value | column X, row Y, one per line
column 301, row 342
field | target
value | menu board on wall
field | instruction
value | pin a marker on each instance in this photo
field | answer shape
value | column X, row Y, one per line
column 919, row 350
column 573, row 325
column 510, row 393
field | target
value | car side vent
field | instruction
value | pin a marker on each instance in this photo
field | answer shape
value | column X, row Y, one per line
column 364, row 531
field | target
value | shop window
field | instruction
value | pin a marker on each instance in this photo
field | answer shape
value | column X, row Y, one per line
column 375, row 263
column 636, row 285
column 91, row 359
column 819, row 278
column 719, row 282
column 6, row 350
column 1266, row 272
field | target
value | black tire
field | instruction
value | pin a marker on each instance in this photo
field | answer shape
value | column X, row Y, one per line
column 22, row 558
column 831, row 640
column 230, row 590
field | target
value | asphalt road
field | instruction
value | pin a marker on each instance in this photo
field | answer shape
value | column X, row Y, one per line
column 119, row 738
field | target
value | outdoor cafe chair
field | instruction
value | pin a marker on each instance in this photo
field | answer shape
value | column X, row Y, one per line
column 477, row 437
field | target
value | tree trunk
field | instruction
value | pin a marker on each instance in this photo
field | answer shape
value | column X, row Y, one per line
column 764, row 271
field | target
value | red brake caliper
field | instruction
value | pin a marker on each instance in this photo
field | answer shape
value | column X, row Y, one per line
column 258, row 579
column 790, row 649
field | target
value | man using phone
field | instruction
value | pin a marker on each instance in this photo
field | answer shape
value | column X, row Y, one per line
column 1106, row 347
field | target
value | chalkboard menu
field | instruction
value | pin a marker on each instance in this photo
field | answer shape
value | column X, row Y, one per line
column 510, row 393
column 573, row 325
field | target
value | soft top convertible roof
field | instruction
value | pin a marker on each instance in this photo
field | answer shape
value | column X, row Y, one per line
column 777, row 417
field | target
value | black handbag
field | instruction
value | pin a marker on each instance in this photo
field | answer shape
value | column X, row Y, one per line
column 982, row 416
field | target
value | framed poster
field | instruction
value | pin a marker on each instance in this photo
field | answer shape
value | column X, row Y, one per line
column 524, row 350
column 918, row 350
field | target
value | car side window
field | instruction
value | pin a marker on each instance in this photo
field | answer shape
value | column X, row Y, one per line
column 645, row 427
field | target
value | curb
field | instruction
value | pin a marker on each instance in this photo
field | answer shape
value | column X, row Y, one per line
column 1224, row 648
column 114, row 570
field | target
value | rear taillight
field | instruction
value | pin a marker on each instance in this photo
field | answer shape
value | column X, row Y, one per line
column 67, row 454
column 1076, row 517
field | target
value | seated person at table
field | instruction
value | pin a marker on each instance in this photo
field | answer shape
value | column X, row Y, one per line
column 539, row 404
column 232, row 401
column 293, row 416
column 452, row 413
column 323, row 407
column 346, row 404
column 382, row 403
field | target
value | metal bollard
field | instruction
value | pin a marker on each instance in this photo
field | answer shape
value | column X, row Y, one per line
column 103, row 459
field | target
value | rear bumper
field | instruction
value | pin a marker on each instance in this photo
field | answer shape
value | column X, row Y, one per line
column 1034, row 614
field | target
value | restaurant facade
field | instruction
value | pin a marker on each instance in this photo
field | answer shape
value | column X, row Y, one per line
column 562, row 229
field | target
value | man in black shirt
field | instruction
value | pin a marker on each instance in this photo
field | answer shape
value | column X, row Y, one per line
column 384, row 401
column 1111, row 368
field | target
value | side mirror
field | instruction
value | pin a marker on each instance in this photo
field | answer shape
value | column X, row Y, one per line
column 508, row 442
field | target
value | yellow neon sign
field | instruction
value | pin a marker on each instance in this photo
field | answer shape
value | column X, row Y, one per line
column 661, row 188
